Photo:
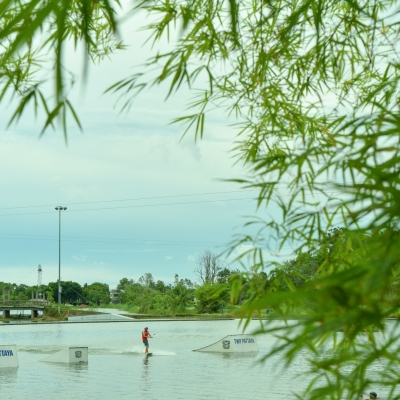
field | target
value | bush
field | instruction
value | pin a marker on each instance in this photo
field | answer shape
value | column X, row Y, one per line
column 211, row 297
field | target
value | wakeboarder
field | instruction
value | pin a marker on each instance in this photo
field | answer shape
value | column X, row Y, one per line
column 145, row 336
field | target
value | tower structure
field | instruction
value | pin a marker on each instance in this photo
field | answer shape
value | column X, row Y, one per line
column 39, row 282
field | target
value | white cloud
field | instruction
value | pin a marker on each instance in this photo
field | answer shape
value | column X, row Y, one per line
column 167, row 258
column 193, row 148
column 191, row 258
column 242, row 249
column 79, row 258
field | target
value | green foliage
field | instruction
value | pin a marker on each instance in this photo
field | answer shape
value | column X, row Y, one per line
column 211, row 297
column 30, row 292
column 5, row 287
column 24, row 61
column 130, row 293
column 49, row 295
column 157, row 298
column 307, row 265
column 147, row 280
column 225, row 274
column 181, row 294
column 314, row 87
column 19, row 292
column 123, row 283
column 97, row 293
column 71, row 291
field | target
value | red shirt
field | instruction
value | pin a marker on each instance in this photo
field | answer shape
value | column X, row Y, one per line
column 145, row 335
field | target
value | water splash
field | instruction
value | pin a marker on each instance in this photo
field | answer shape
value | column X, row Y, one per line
column 140, row 350
column 39, row 350
column 163, row 353
column 133, row 350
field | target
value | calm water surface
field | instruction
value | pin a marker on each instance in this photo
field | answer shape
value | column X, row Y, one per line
column 117, row 368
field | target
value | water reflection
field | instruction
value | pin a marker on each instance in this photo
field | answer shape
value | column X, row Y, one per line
column 8, row 376
column 232, row 357
column 71, row 368
column 145, row 374
column 78, row 368
column 237, row 356
column 145, row 366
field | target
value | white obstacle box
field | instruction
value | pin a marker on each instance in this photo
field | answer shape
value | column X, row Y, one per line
column 233, row 344
column 70, row 355
column 8, row 356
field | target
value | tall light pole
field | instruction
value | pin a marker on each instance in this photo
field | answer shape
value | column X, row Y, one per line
column 59, row 209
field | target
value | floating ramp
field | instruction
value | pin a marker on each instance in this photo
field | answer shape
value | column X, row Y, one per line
column 70, row 355
column 8, row 356
column 233, row 344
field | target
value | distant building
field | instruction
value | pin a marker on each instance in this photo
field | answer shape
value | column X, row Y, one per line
column 114, row 295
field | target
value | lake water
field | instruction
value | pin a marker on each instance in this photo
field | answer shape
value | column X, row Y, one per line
column 117, row 368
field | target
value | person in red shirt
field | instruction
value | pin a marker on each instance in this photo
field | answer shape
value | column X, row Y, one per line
column 145, row 336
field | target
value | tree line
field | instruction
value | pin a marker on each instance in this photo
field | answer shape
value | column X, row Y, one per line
column 219, row 287
column 72, row 292
column 151, row 296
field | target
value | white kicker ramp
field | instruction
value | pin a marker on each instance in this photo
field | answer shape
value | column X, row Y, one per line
column 8, row 356
column 233, row 344
column 71, row 355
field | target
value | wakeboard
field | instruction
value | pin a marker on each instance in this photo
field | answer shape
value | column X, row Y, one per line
column 149, row 354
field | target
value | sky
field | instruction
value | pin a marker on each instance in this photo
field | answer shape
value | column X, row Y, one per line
column 140, row 199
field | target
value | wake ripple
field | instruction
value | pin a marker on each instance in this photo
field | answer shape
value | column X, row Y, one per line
column 140, row 350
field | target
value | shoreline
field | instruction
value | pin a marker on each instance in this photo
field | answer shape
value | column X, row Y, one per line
column 12, row 323
column 69, row 316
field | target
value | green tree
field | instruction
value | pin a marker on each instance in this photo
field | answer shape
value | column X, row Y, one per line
column 159, row 298
column 16, row 292
column 49, row 294
column 147, row 280
column 181, row 294
column 124, row 282
column 184, row 282
column 97, row 293
column 21, row 288
column 306, row 265
column 71, row 291
column 314, row 88
column 7, row 287
column 161, row 286
column 211, row 298
column 30, row 292
column 225, row 274
column 183, row 298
